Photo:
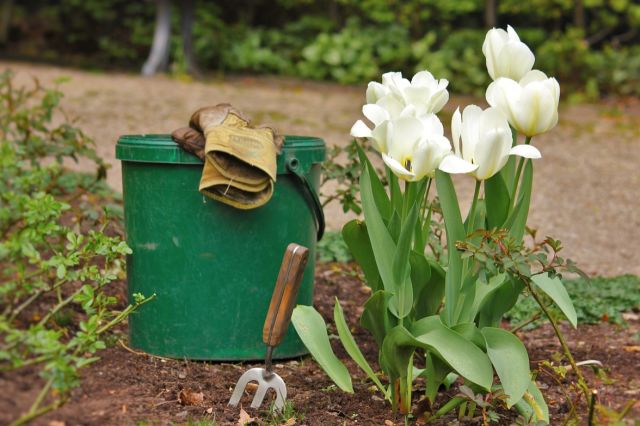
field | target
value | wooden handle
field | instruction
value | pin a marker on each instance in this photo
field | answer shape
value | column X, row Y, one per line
column 285, row 294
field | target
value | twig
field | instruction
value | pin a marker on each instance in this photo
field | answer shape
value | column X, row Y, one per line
column 581, row 382
column 140, row 353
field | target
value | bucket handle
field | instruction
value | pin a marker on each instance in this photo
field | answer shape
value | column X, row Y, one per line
column 293, row 165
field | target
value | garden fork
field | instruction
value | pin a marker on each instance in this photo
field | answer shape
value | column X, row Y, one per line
column 275, row 327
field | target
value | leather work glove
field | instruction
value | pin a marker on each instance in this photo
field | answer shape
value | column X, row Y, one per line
column 240, row 161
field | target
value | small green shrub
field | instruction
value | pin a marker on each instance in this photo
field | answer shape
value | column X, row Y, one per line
column 596, row 300
column 60, row 250
column 332, row 248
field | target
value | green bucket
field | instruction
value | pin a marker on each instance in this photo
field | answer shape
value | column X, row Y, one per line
column 212, row 267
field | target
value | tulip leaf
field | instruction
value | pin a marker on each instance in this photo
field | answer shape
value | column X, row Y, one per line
column 379, row 193
column 375, row 317
column 554, row 288
column 498, row 302
column 517, row 221
column 394, row 189
column 395, row 226
column 532, row 407
column 483, row 292
column 435, row 373
column 351, row 346
column 497, row 201
column 428, row 285
column 461, row 354
column 313, row 332
column 469, row 331
column 356, row 237
column 382, row 244
column 455, row 232
column 509, row 170
column 511, row 361
column 401, row 268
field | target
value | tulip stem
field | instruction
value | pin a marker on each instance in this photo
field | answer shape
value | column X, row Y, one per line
column 527, row 141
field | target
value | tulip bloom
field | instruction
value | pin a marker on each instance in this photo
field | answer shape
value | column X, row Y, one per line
column 531, row 105
column 396, row 97
column 506, row 55
column 416, row 147
column 483, row 138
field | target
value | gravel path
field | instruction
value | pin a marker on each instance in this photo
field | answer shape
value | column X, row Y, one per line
column 587, row 186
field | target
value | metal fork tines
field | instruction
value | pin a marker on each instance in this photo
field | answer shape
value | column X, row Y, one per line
column 265, row 382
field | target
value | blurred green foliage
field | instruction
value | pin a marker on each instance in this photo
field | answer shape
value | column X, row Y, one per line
column 591, row 46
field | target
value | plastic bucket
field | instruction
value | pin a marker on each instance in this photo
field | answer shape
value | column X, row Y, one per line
column 211, row 266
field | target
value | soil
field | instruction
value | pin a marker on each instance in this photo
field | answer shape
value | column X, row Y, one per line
column 586, row 186
column 127, row 387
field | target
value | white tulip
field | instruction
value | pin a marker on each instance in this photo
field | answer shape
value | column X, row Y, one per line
column 396, row 97
column 531, row 105
column 506, row 55
column 483, row 138
column 416, row 146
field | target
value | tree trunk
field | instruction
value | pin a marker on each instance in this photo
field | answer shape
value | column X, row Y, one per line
column 186, row 25
column 159, row 56
column 5, row 20
column 490, row 13
column 579, row 19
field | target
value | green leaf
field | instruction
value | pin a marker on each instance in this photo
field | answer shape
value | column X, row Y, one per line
column 509, row 170
column 313, row 332
column 395, row 226
column 394, row 189
column 462, row 355
column 517, row 221
column 375, row 317
column 511, row 361
column 382, row 244
column 536, row 400
column 554, row 288
column 483, row 293
column 351, row 346
column 401, row 267
column 469, row 331
column 435, row 373
column 357, row 239
column 379, row 193
column 499, row 302
column 497, row 201
column 455, row 232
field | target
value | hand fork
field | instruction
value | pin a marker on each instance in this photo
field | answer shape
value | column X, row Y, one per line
column 275, row 327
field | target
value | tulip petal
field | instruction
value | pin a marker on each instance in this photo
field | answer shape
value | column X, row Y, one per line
column 526, row 151
column 533, row 75
column 375, row 91
column 422, row 78
column 406, row 133
column 381, row 135
column 429, row 154
column 397, row 168
column 375, row 113
column 470, row 130
column 360, row 130
column 456, row 127
column 454, row 164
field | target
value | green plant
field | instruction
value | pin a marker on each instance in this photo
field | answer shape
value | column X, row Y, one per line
column 354, row 54
column 443, row 311
column 597, row 299
column 332, row 248
column 58, row 253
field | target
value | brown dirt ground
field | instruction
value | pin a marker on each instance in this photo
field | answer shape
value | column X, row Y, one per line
column 586, row 187
column 125, row 388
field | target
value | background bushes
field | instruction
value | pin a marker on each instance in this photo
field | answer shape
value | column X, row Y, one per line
column 590, row 45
